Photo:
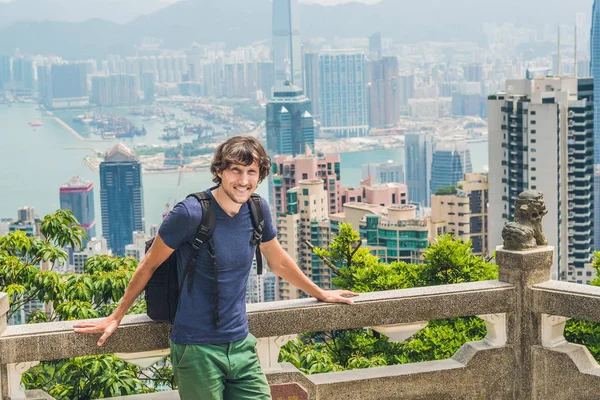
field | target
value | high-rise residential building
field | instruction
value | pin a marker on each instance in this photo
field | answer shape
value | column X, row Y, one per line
column 137, row 249
column 114, row 90
column 312, row 82
column 597, row 206
column 406, row 89
column 28, row 75
column 595, row 70
column 473, row 72
column 44, row 84
column 418, row 159
column 4, row 70
column 254, row 288
column 465, row 212
column 375, row 46
column 78, row 196
column 121, row 197
column 386, row 194
column 392, row 233
column 17, row 71
column 26, row 214
column 344, row 103
column 148, row 82
column 541, row 137
column 384, row 172
column 384, row 105
column 94, row 247
column 270, row 289
column 469, row 104
column 305, row 218
column 289, row 170
column 265, row 73
column 290, row 126
column 229, row 86
column 287, row 50
column 68, row 83
column 450, row 162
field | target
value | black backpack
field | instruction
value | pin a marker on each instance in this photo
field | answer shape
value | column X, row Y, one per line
column 163, row 289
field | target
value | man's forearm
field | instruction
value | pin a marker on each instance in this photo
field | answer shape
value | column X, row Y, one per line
column 290, row 271
column 137, row 283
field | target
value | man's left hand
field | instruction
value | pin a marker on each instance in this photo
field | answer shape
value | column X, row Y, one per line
column 338, row 296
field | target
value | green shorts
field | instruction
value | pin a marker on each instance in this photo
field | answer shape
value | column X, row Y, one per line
column 219, row 371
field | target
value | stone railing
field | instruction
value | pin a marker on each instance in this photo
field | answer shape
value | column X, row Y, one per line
column 524, row 355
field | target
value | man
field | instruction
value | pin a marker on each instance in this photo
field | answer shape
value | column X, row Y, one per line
column 212, row 352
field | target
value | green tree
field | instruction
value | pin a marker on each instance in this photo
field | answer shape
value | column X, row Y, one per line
column 587, row 333
column 447, row 261
column 94, row 293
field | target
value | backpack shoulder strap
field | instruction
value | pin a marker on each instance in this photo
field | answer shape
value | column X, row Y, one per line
column 256, row 213
column 203, row 234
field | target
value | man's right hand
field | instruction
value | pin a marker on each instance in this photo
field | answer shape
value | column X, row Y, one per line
column 105, row 326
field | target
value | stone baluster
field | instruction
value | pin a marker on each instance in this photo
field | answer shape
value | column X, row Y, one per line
column 267, row 349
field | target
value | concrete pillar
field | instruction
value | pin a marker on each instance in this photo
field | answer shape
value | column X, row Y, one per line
column 524, row 327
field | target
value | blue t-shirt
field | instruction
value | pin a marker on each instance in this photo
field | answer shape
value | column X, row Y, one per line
column 195, row 320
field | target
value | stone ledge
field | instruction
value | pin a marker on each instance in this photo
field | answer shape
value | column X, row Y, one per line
column 565, row 372
column 567, row 300
column 57, row 340
column 488, row 375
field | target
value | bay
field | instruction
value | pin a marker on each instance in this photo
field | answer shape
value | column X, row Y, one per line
column 35, row 162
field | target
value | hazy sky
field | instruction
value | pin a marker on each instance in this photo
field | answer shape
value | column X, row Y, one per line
column 324, row 2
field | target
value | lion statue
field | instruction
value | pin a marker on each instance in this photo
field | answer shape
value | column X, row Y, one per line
column 526, row 230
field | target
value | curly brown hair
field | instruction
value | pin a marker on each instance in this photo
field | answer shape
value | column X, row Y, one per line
column 241, row 150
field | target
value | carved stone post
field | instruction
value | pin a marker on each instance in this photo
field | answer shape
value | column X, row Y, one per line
column 524, row 269
column 525, row 260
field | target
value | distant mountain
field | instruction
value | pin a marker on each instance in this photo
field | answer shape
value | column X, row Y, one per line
column 239, row 22
column 121, row 11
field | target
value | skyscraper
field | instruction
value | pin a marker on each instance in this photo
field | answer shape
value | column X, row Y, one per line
column 78, row 196
column 265, row 75
column 28, row 74
column 290, row 126
column 418, row 158
column 121, row 197
column 68, row 85
column 375, row 46
column 18, row 78
column 148, row 80
column 305, row 217
column 4, row 70
column 406, row 89
column 344, row 102
column 450, row 162
column 288, row 171
column 389, row 172
column 287, row 51
column 312, row 82
column 384, row 93
column 464, row 212
column 113, row 90
column 595, row 70
column 541, row 138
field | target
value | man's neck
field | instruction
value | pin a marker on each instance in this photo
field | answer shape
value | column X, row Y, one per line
column 230, row 207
